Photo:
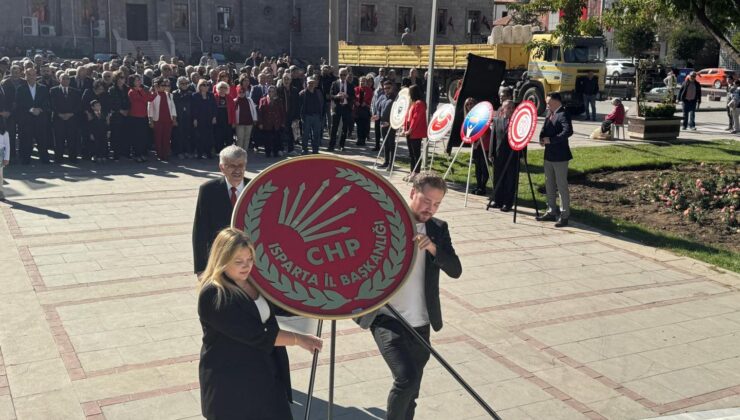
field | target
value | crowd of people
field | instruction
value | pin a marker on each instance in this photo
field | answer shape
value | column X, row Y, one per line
column 130, row 106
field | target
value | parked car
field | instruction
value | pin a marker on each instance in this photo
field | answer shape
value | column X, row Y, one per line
column 659, row 94
column 620, row 68
column 713, row 77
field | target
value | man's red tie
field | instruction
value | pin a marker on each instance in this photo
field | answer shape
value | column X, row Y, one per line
column 233, row 196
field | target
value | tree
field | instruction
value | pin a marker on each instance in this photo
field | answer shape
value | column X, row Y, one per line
column 696, row 46
column 568, row 28
column 736, row 40
column 633, row 40
column 687, row 43
column 526, row 17
column 718, row 17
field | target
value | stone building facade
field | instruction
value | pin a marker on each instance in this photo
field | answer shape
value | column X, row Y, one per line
column 187, row 27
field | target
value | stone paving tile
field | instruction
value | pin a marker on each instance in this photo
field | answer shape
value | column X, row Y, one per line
column 552, row 410
column 579, row 385
column 37, row 377
column 7, row 411
column 100, row 359
column 33, row 346
column 57, row 404
column 633, row 366
column 621, row 408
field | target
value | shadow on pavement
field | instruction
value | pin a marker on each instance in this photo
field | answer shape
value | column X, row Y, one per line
column 319, row 409
column 36, row 210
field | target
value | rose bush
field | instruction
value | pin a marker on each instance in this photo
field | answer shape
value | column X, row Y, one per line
column 715, row 196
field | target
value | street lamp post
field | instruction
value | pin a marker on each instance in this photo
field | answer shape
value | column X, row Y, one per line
column 430, row 75
column 92, row 35
column 333, row 32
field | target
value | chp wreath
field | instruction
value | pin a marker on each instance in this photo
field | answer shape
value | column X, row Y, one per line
column 329, row 299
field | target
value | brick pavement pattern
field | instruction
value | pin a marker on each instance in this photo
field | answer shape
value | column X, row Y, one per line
column 99, row 320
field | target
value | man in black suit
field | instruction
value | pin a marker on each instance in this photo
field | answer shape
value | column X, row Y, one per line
column 343, row 94
column 554, row 137
column 31, row 111
column 417, row 300
column 216, row 201
column 66, row 104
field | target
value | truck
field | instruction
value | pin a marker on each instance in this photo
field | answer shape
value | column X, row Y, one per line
column 531, row 75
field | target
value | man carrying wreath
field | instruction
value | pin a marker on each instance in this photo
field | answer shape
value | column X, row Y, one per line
column 417, row 300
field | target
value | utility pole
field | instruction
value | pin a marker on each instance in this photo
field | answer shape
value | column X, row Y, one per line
column 333, row 32
column 430, row 75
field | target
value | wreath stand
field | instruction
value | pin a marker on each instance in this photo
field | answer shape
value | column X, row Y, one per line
column 496, row 187
column 425, row 150
column 470, row 167
column 417, row 336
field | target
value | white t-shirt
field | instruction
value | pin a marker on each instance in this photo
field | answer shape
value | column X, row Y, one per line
column 263, row 308
column 410, row 300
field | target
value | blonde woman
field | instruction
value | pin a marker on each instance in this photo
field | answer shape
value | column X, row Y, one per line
column 244, row 369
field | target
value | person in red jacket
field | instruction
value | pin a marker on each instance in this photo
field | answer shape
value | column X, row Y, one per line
column 614, row 117
column 363, row 99
column 138, row 117
column 271, row 120
column 225, row 117
column 415, row 127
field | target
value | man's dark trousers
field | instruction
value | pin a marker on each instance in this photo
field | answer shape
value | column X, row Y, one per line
column 66, row 137
column 34, row 130
column 406, row 357
column 343, row 113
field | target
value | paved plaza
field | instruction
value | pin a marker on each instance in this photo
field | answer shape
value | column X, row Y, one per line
column 98, row 310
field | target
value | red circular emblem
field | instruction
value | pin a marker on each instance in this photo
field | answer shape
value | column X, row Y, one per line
column 441, row 124
column 522, row 125
column 332, row 239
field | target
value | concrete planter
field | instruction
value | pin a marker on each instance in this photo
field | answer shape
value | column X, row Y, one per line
column 653, row 128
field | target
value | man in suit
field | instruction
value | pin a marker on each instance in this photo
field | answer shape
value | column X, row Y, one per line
column 554, row 137
column 504, row 198
column 216, row 201
column 66, row 104
column 343, row 94
column 417, row 300
column 31, row 111
column 260, row 90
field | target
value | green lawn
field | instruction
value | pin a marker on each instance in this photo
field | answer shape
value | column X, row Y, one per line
column 625, row 157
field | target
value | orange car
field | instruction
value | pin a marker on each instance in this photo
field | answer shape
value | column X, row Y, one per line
column 713, row 77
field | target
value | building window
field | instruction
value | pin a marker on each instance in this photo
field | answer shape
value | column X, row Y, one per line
column 180, row 16
column 442, row 19
column 40, row 10
column 405, row 19
column 504, row 14
column 89, row 11
column 368, row 18
column 225, row 18
column 474, row 20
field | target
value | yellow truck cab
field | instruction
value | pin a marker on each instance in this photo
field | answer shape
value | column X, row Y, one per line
column 531, row 76
column 559, row 70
